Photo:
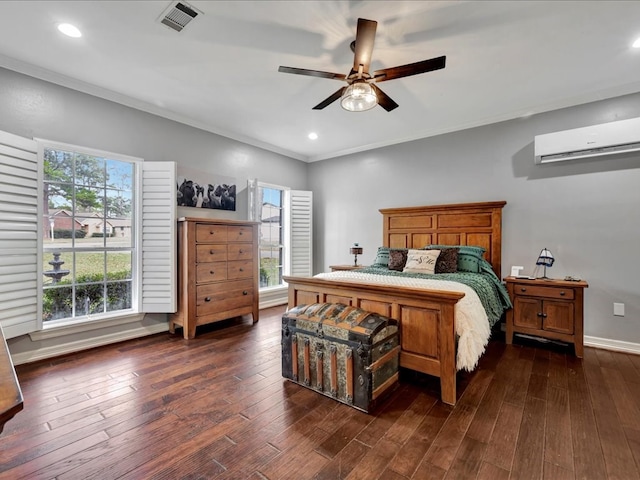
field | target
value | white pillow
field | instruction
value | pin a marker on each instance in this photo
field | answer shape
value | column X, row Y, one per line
column 421, row 261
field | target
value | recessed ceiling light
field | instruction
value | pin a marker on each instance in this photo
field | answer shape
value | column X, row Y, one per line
column 69, row 30
column 313, row 136
column 636, row 44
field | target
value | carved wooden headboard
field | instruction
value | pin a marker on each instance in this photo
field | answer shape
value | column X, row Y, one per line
column 457, row 224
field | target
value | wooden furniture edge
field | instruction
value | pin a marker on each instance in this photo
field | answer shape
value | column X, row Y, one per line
column 11, row 401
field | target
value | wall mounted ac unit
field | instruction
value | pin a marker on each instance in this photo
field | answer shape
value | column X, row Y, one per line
column 605, row 139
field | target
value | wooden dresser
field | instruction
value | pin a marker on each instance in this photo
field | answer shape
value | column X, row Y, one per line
column 547, row 308
column 217, row 272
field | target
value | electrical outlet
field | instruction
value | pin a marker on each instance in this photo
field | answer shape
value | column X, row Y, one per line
column 618, row 309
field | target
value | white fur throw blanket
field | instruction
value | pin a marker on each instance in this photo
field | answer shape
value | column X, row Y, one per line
column 471, row 322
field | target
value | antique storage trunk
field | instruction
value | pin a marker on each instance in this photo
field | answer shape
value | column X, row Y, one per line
column 340, row 351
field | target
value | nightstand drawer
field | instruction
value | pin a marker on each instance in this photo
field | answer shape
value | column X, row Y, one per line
column 545, row 292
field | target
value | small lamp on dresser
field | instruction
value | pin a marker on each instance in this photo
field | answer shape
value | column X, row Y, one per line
column 355, row 251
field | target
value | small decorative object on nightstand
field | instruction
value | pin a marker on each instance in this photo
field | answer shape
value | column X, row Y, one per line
column 355, row 251
column 547, row 308
column 545, row 259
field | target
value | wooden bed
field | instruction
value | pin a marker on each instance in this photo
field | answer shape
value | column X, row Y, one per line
column 426, row 317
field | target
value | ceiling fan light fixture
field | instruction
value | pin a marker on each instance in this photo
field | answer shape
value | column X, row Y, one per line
column 359, row 97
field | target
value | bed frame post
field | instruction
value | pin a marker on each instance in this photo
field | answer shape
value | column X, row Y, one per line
column 447, row 355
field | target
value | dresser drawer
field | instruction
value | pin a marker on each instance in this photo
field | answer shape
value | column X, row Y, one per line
column 240, row 234
column 206, row 233
column 218, row 297
column 545, row 292
column 211, row 253
column 211, row 272
column 239, row 251
column 240, row 269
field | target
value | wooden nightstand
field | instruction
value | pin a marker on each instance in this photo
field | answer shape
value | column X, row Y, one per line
column 547, row 308
column 339, row 268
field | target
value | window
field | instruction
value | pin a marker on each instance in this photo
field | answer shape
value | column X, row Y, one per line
column 85, row 191
column 285, row 231
column 87, row 270
column 272, row 235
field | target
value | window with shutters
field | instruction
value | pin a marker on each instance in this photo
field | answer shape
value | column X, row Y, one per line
column 85, row 235
column 91, row 232
column 285, row 231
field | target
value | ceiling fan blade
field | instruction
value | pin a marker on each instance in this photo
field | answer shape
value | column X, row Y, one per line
column 365, row 37
column 328, row 101
column 312, row 73
column 384, row 100
column 409, row 69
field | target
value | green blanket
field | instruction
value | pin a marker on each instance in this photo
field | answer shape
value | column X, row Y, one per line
column 486, row 284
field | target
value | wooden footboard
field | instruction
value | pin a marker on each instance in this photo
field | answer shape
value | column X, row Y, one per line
column 426, row 319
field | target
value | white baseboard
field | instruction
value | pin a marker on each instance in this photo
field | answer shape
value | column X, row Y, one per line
column 84, row 344
column 273, row 303
column 273, row 297
column 615, row 345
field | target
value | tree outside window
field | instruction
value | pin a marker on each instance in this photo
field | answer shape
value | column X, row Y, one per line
column 87, row 269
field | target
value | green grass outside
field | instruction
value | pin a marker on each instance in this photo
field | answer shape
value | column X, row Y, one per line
column 88, row 264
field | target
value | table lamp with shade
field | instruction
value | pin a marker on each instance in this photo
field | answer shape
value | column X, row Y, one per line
column 355, row 251
column 545, row 259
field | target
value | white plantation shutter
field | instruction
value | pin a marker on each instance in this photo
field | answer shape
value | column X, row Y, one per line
column 300, row 208
column 158, row 249
column 19, row 252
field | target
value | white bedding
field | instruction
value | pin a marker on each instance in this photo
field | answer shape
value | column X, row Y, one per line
column 471, row 322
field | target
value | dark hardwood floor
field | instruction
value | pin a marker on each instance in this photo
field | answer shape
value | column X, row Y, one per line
column 162, row 407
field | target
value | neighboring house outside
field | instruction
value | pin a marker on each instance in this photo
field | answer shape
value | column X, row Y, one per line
column 270, row 225
column 120, row 227
column 63, row 220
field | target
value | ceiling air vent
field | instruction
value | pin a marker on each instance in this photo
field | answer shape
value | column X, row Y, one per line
column 178, row 15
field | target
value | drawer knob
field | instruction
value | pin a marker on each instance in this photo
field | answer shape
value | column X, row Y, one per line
column 245, row 292
column 240, row 251
column 523, row 289
column 562, row 293
column 540, row 314
column 207, row 299
column 241, row 269
column 211, row 232
column 212, row 272
column 212, row 251
column 240, row 232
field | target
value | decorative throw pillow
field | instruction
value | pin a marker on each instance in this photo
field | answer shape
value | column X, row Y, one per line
column 397, row 259
column 469, row 256
column 447, row 261
column 382, row 257
column 421, row 261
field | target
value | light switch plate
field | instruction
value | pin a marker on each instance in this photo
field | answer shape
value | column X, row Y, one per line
column 618, row 309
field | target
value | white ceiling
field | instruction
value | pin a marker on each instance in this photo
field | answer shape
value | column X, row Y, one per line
column 505, row 59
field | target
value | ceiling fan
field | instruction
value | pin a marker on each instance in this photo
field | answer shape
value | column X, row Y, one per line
column 362, row 93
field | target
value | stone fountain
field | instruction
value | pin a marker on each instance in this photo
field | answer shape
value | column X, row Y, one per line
column 56, row 274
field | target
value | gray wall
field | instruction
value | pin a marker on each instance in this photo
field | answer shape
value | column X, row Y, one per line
column 586, row 212
column 33, row 108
